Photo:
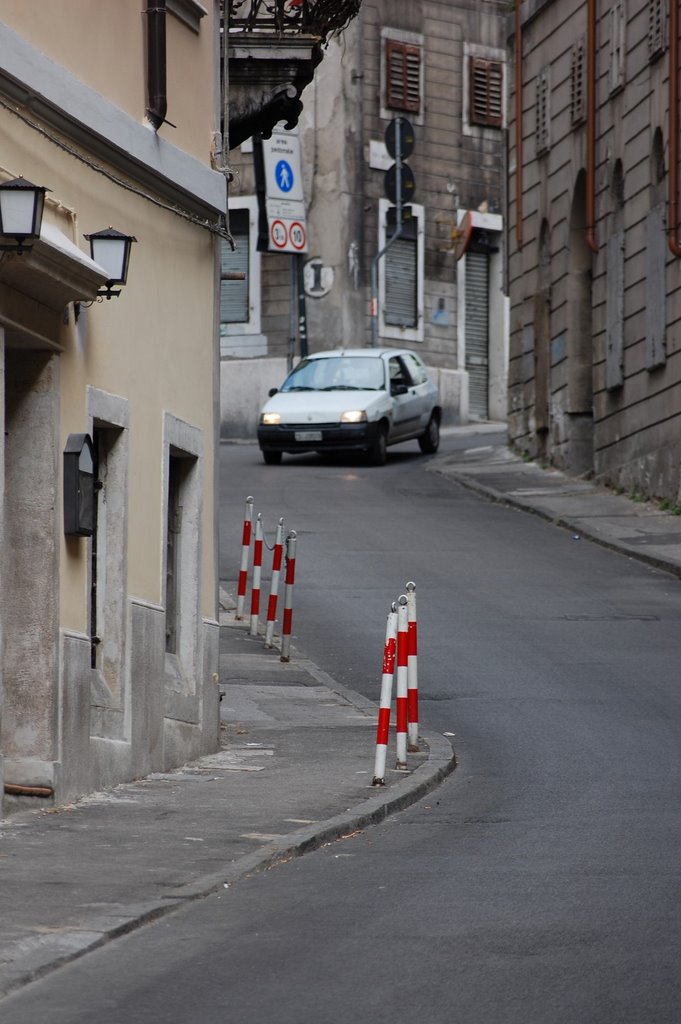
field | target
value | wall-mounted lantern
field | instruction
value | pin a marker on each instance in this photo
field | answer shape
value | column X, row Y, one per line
column 111, row 250
column 21, row 213
column 79, row 486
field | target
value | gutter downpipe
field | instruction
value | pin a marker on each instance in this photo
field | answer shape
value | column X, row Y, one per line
column 518, row 125
column 673, row 197
column 157, row 97
column 591, row 127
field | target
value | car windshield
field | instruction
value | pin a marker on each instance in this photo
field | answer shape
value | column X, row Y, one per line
column 337, row 373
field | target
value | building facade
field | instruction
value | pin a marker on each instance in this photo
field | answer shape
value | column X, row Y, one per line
column 109, row 636
column 439, row 286
column 594, row 269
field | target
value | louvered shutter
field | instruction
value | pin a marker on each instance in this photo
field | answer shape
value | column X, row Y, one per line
column 486, row 92
column 234, row 305
column 403, row 76
column 477, row 332
column 401, row 277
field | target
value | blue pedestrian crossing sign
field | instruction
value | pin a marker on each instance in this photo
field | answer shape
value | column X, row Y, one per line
column 283, row 174
column 283, row 187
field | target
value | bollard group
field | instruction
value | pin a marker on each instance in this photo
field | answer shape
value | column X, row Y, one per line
column 252, row 555
column 399, row 666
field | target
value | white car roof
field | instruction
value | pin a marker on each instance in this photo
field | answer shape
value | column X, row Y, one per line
column 370, row 352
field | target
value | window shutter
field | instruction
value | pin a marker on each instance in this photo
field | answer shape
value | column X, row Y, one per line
column 578, row 84
column 542, row 136
column 486, row 92
column 403, row 76
column 657, row 28
column 234, row 305
column 401, row 302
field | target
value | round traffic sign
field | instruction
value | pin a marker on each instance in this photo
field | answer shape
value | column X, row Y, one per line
column 283, row 174
column 278, row 234
column 406, row 142
column 297, row 235
column 408, row 184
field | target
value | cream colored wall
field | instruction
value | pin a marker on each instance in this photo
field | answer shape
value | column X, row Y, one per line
column 106, row 51
column 153, row 345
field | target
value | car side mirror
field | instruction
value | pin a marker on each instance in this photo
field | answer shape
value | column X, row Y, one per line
column 272, row 392
column 399, row 389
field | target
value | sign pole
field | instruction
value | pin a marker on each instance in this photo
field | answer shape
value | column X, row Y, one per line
column 292, row 318
column 398, row 232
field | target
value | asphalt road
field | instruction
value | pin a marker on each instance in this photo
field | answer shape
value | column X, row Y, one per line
column 540, row 883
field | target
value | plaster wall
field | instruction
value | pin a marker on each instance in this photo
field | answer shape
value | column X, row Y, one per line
column 102, row 43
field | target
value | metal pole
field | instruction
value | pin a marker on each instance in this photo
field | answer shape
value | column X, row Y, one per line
column 274, row 584
column 401, row 700
column 302, row 308
column 257, row 573
column 383, row 728
column 245, row 550
column 398, row 232
column 288, row 596
column 292, row 312
column 412, row 672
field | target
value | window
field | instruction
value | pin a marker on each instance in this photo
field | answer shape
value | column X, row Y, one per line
column 401, row 275
column 108, row 564
column 402, row 74
column 617, row 45
column 183, row 487
column 542, row 136
column 578, row 84
column 240, row 298
column 657, row 28
column 486, row 92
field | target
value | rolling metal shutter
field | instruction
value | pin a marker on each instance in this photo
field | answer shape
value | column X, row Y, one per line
column 401, row 299
column 477, row 332
column 234, row 294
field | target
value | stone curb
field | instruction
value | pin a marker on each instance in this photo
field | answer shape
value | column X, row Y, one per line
column 384, row 802
column 502, row 498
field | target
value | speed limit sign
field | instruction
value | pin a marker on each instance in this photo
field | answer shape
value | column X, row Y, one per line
column 297, row 236
column 278, row 233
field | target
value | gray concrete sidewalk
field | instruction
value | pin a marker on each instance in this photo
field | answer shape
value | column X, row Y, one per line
column 294, row 772
column 639, row 529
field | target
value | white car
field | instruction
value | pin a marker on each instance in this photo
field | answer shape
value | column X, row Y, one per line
column 349, row 400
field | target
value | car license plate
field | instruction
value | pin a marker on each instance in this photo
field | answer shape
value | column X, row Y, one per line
column 308, row 435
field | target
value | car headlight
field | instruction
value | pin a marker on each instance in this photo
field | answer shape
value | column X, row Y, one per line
column 353, row 416
column 270, row 419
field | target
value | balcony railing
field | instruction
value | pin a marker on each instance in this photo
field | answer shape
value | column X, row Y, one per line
column 320, row 18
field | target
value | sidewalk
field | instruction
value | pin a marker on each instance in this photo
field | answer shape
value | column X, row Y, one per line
column 638, row 529
column 294, row 772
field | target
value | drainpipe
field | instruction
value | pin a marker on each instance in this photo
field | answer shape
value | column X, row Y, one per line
column 157, row 98
column 591, row 127
column 14, row 789
column 673, row 198
column 518, row 125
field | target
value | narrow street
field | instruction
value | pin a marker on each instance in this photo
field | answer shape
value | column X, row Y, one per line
column 540, row 882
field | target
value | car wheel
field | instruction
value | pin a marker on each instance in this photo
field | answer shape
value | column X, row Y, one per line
column 429, row 441
column 378, row 452
column 272, row 458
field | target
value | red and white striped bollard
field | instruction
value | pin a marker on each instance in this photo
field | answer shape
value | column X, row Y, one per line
column 245, row 550
column 401, row 699
column 412, row 672
column 274, row 584
column 383, row 727
column 257, row 573
column 288, row 596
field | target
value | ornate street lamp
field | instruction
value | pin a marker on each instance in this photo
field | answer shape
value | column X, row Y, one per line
column 111, row 250
column 21, row 213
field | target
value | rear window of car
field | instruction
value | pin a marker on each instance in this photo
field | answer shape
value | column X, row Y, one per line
column 418, row 372
column 337, row 373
